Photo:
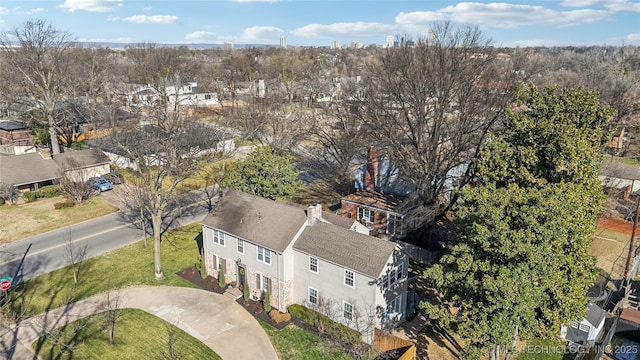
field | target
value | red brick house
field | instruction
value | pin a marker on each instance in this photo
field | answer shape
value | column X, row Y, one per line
column 377, row 210
column 13, row 132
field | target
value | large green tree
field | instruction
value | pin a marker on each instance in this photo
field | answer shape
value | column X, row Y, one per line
column 519, row 260
column 263, row 173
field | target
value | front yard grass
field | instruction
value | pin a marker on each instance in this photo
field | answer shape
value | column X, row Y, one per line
column 294, row 343
column 127, row 266
column 28, row 219
column 138, row 335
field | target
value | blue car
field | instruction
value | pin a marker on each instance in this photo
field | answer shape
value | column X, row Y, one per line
column 100, row 184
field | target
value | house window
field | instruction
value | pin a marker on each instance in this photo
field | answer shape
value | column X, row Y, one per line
column 394, row 225
column 220, row 263
column 395, row 306
column 218, row 237
column 400, row 272
column 265, row 282
column 207, row 97
column 313, row 296
column 392, row 277
column 240, row 244
column 264, row 255
column 347, row 310
column 313, row 264
column 349, row 278
column 365, row 215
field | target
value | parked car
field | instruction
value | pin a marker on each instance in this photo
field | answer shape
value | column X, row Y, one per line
column 100, row 184
column 114, row 178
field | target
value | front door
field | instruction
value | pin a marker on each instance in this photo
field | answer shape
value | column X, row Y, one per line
column 242, row 275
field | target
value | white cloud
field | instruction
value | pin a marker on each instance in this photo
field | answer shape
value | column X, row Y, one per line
column 499, row 15
column 3, row 10
column 580, row 3
column 252, row 35
column 202, row 37
column 147, row 8
column 153, row 19
column 534, row 42
column 91, row 5
column 632, row 39
column 337, row 30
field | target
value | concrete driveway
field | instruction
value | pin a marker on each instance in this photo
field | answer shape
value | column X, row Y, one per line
column 216, row 320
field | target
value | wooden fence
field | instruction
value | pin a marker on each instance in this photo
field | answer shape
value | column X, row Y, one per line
column 405, row 349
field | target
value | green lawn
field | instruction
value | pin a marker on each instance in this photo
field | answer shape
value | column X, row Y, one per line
column 127, row 266
column 133, row 265
column 138, row 335
column 294, row 343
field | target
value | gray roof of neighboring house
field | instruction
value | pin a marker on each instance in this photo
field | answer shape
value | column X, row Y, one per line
column 33, row 168
column 595, row 315
column 26, row 169
column 81, row 158
column 362, row 253
column 258, row 220
column 619, row 170
column 12, row 125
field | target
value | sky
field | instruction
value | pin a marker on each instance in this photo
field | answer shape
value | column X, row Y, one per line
column 320, row 22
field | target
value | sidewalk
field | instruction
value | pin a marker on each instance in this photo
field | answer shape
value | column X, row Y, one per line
column 216, row 320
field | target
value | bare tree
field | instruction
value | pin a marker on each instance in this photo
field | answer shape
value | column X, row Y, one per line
column 40, row 58
column 430, row 105
column 112, row 312
column 72, row 180
column 75, row 255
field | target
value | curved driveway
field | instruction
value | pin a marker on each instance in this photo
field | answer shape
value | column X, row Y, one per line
column 216, row 320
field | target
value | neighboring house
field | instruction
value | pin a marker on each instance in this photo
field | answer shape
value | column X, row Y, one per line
column 14, row 132
column 33, row 170
column 187, row 93
column 618, row 175
column 225, row 144
column 377, row 201
column 586, row 333
column 618, row 143
column 306, row 257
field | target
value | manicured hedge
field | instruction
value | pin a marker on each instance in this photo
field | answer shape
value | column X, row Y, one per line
column 48, row 191
column 331, row 328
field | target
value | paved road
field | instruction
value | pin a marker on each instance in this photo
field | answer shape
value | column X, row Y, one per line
column 40, row 254
column 216, row 320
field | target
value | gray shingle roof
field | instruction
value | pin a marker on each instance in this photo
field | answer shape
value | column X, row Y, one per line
column 12, row 125
column 26, row 169
column 32, row 167
column 364, row 254
column 258, row 220
column 619, row 170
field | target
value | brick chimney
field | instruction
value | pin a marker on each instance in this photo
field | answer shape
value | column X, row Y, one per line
column 314, row 212
column 371, row 172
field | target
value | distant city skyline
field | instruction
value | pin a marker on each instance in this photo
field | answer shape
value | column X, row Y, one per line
column 328, row 23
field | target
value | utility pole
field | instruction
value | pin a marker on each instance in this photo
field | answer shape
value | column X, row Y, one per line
column 633, row 235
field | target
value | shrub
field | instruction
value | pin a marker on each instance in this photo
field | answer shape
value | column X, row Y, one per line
column 246, row 293
column 31, row 196
column 1, row 201
column 279, row 317
column 64, row 204
column 221, row 280
column 49, row 191
column 333, row 329
column 266, row 303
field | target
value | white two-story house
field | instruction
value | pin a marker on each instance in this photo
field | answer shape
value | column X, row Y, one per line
column 302, row 256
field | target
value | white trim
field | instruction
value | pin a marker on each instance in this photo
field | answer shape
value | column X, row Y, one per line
column 219, row 237
column 317, row 264
column 240, row 244
column 309, row 295
column 344, row 310
column 352, row 277
column 266, row 253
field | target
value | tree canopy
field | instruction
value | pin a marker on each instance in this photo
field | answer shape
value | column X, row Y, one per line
column 263, row 173
column 519, row 260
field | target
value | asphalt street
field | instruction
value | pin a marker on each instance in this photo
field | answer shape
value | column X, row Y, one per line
column 40, row 254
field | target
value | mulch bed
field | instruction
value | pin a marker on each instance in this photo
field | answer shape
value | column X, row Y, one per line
column 209, row 283
column 255, row 308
